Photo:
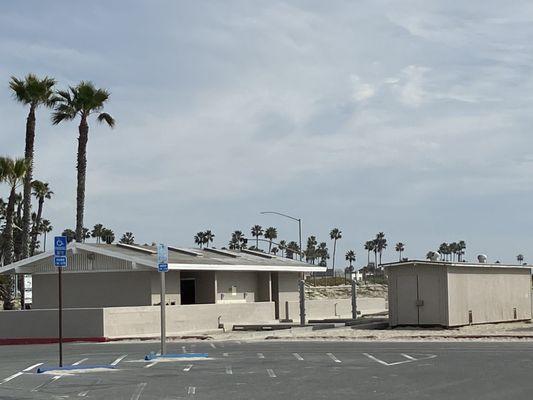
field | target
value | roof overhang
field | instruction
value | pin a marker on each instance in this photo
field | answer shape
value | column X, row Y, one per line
column 236, row 267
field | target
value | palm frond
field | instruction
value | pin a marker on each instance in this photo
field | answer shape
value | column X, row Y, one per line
column 107, row 118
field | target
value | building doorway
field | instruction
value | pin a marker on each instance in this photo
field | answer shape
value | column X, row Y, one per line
column 188, row 291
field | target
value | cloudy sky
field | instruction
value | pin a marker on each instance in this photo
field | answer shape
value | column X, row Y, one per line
column 409, row 117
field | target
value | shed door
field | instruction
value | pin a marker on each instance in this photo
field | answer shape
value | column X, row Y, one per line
column 429, row 298
column 407, row 309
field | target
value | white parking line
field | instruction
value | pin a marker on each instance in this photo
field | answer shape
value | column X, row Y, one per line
column 183, row 349
column 376, row 359
column 192, row 390
column 83, row 394
column 330, row 355
column 409, row 357
column 260, row 355
column 150, row 365
column 138, row 391
column 229, row 371
column 187, row 368
column 224, row 354
column 271, row 373
column 298, row 357
column 212, row 345
column 119, row 359
column 9, row 378
column 80, row 361
column 32, row 367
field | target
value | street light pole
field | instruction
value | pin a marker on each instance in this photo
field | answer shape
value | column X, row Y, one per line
column 299, row 220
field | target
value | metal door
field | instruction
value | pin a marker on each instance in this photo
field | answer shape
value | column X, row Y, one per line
column 407, row 302
column 429, row 298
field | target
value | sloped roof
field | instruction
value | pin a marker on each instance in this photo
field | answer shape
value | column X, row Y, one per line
column 145, row 257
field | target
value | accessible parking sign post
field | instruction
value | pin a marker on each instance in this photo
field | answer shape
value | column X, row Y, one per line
column 162, row 267
column 60, row 261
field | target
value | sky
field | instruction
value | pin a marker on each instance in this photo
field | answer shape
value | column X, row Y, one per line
column 408, row 117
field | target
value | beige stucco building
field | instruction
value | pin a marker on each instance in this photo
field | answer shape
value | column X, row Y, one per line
column 111, row 291
column 454, row 294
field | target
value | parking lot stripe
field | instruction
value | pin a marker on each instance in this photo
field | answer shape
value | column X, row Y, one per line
column 83, row 394
column 409, row 357
column 191, row 390
column 375, row 359
column 330, row 355
column 212, row 345
column 9, row 378
column 229, row 371
column 224, row 354
column 183, row 349
column 32, row 367
column 80, row 361
column 119, row 359
column 298, row 357
column 260, row 355
column 271, row 373
column 150, row 365
column 187, row 368
column 138, row 391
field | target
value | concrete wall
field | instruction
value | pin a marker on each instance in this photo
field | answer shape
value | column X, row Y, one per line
column 205, row 285
column 490, row 293
column 88, row 290
column 43, row 324
column 145, row 322
column 172, row 288
column 326, row 308
column 244, row 282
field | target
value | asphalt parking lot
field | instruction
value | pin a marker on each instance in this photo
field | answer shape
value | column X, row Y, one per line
column 273, row 369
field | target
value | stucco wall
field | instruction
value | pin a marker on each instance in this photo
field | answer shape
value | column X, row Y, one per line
column 145, row 322
column 490, row 293
column 43, row 324
column 87, row 290
column 172, row 287
column 205, row 285
column 245, row 283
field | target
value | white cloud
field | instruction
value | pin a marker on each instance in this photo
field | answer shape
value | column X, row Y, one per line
column 361, row 91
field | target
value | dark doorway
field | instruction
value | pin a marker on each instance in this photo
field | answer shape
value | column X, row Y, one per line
column 188, row 291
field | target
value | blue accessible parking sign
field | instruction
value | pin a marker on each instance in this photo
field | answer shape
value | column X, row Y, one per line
column 60, row 251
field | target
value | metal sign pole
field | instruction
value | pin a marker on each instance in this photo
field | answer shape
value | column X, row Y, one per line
column 301, row 287
column 60, row 309
column 163, row 315
column 354, row 299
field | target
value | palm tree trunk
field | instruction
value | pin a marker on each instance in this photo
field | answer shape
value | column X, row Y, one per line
column 334, row 249
column 35, row 229
column 269, row 246
column 28, row 155
column 82, row 172
column 257, row 242
column 8, row 254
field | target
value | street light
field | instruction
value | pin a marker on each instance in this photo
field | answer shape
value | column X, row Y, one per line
column 294, row 219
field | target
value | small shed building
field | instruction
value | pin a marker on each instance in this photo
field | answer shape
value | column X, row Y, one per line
column 454, row 294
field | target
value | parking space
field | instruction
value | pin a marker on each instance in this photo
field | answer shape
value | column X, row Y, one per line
column 272, row 369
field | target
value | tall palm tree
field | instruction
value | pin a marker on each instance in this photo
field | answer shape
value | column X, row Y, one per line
column 41, row 190
column 444, row 250
column 12, row 172
column 369, row 247
column 257, row 230
column 199, row 239
column 292, row 248
column 108, row 236
column 33, row 92
column 520, row 258
column 461, row 250
column 82, row 100
column 208, row 237
column 282, row 246
column 381, row 244
column 127, row 238
column 271, row 233
column 400, row 247
column 97, row 232
column 310, row 251
column 335, row 235
column 45, row 228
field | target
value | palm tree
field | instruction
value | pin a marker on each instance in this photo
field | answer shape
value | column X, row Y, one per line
column 461, row 250
column 274, row 250
column 108, row 235
column 238, row 241
column 257, row 230
column 12, row 172
column 199, row 239
column 310, row 251
column 41, row 190
column 430, row 255
column 400, row 247
column 335, row 235
column 45, row 228
column 292, row 248
column 323, row 253
column 97, row 232
column 369, row 247
column 82, row 100
column 444, row 250
column 350, row 257
column 520, row 258
column 33, row 92
column 127, row 238
column 282, row 246
column 381, row 244
column 208, row 237
column 69, row 234
column 271, row 233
